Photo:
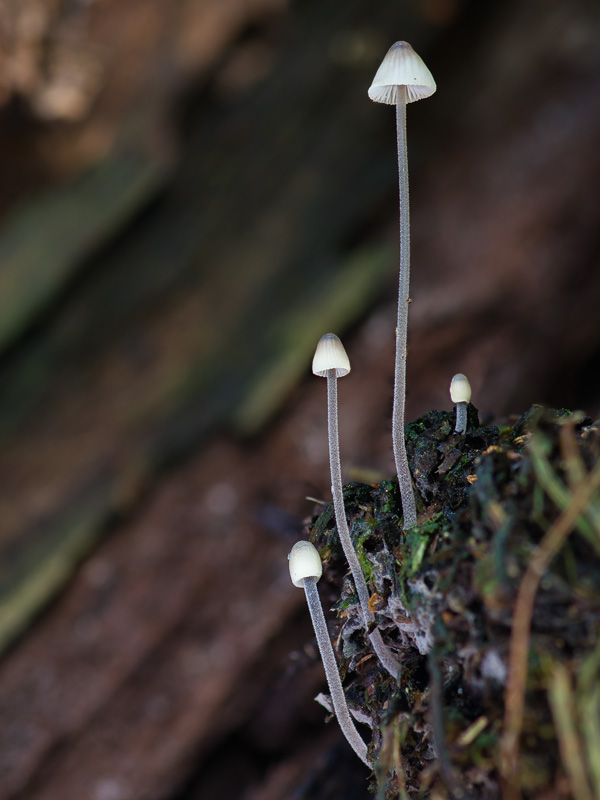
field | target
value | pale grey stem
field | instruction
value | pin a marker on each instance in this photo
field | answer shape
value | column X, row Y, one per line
column 409, row 510
column 334, row 682
column 386, row 657
column 461, row 418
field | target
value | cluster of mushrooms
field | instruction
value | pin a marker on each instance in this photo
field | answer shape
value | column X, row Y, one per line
column 402, row 78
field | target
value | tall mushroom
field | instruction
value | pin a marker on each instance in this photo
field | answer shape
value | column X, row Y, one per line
column 305, row 570
column 402, row 78
column 331, row 361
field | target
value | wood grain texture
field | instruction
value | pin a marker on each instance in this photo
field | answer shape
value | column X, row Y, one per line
column 189, row 316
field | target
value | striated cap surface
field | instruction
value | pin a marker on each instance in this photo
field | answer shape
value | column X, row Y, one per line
column 304, row 562
column 330, row 354
column 401, row 67
column 460, row 389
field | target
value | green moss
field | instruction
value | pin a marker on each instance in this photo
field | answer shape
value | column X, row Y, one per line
column 486, row 500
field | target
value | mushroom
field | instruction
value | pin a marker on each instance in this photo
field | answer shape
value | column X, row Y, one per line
column 331, row 361
column 305, row 570
column 402, row 78
column 460, row 393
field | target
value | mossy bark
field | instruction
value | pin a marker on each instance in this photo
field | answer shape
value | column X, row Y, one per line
column 447, row 595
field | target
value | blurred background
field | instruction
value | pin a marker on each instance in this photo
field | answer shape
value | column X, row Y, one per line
column 192, row 193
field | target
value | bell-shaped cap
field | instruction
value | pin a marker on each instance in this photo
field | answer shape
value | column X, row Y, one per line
column 460, row 389
column 330, row 354
column 305, row 562
column 401, row 67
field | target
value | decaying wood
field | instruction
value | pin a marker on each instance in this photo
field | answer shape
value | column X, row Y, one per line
column 211, row 250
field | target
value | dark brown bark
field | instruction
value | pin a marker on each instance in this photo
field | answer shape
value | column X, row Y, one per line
column 214, row 194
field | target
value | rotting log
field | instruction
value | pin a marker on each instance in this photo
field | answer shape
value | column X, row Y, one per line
column 491, row 604
column 123, row 374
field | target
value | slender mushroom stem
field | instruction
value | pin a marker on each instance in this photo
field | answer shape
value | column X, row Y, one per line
column 384, row 654
column 338, row 698
column 331, row 361
column 305, row 570
column 409, row 509
column 461, row 418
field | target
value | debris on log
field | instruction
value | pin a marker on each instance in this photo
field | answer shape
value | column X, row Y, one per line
column 492, row 604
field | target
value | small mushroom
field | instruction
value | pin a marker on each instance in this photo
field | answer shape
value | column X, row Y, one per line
column 331, row 361
column 305, row 570
column 402, row 78
column 460, row 393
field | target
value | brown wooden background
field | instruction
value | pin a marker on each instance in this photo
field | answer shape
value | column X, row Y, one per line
column 191, row 194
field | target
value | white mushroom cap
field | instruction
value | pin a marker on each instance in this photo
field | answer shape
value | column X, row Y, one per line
column 460, row 389
column 401, row 67
column 305, row 562
column 330, row 354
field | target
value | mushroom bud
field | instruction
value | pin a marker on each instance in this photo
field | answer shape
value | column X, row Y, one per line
column 331, row 361
column 330, row 355
column 402, row 78
column 305, row 570
column 460, row 393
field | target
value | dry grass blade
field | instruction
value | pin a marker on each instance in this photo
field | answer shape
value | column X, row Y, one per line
column 588, row 709
column 521, row 630
column 389, row 768
column 562, row 702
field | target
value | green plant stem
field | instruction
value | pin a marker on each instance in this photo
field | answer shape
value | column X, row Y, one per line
column 560, row 494
column 562, row 703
